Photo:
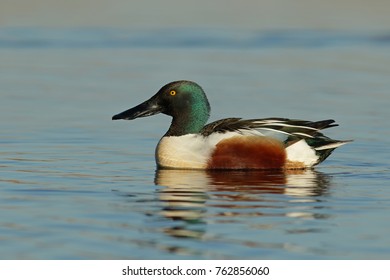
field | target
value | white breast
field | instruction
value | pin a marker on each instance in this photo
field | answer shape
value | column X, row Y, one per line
column 190, row 151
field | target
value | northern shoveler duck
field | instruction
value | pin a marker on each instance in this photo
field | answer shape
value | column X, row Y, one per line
column 232, row 143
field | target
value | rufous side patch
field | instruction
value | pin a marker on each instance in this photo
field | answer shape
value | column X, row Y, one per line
column 248, row 152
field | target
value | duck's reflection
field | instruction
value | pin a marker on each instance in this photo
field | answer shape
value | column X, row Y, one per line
column 187, row 195
column 183, row 198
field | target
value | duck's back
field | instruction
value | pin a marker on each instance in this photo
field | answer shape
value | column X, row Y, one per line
column 249, row 144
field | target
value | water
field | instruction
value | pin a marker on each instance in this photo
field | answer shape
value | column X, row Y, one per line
column 76, row 185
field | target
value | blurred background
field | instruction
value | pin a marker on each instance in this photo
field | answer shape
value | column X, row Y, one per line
column 261, row 14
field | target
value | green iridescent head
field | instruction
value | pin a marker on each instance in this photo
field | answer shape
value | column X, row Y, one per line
column 185, row 101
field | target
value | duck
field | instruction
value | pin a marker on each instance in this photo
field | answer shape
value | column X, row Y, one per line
column 230, row 143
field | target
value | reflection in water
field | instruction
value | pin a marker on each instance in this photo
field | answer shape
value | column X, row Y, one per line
column 183, row 198
column 188, row 195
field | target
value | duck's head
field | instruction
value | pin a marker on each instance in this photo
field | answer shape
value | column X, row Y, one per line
column 185, row 101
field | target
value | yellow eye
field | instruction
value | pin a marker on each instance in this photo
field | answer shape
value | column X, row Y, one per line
column 172, row 92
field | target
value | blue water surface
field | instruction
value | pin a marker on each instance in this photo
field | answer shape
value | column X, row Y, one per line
column 76, row 185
